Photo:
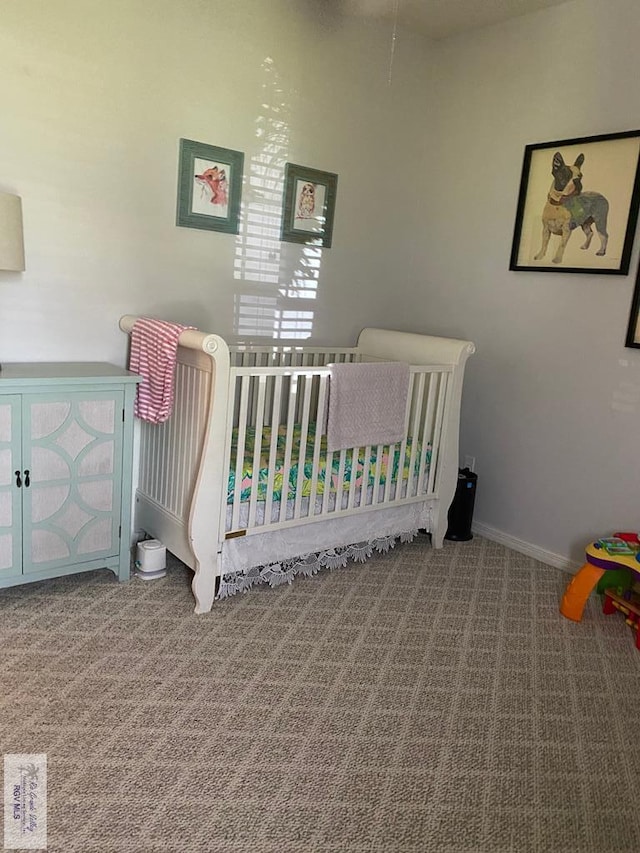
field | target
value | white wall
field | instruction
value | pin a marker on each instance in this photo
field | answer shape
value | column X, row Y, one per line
column 94, row 98
column 551, row 406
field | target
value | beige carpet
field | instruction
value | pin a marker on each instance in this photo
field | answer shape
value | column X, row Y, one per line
column 430, row 701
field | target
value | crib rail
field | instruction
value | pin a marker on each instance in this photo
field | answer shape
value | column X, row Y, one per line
column 247, row 355
column 170, row 452
column 281, row 472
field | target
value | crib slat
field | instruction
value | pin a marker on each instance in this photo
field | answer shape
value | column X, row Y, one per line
column 159, row 461
column 378, row 474
column 302, row 453
column 340, row 482
column 147, row 457
column 437, row 433
column 328, row 484
column 354, row 476
column 428, row 435
column 165, row 447
column 286, row 466
column 417, row 402
column 242, row 433
column 388, row 485
column 403, row 446
column 317, row 444
column 181, row 436
column 257, row 448
column 145, row 466
column 366, row 469
column 197, row 390
column 170, row 460
column 273, row 446
column 177, row 459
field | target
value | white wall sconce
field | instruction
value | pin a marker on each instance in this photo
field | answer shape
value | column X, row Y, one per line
column 11, row 236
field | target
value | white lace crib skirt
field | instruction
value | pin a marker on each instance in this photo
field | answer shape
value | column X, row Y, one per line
column 242, row 553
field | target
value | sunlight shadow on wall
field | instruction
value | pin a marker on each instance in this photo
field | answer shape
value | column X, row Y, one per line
column 274, row 274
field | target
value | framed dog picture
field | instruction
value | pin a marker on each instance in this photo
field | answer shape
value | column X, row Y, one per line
column 633, row 331
column 309, row 205
column 209, row 187
column 590, row 186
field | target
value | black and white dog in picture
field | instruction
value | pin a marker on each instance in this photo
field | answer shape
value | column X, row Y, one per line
column 568, row 207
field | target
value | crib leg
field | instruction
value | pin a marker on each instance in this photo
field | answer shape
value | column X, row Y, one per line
column 204, row 586
column 438, row 529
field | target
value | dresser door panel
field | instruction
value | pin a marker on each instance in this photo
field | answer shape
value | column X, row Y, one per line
column 10, row 493
column 73, row 452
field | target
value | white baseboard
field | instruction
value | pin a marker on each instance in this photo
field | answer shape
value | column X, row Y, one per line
column 522, row 547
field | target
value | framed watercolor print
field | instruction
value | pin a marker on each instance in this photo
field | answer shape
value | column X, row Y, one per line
column 309, row 205
column 633, row 331
column 578, row 205
column 209, row 187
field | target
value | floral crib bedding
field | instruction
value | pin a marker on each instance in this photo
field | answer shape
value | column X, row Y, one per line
column 389, row 468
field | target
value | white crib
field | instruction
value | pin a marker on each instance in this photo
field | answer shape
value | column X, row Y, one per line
column 238, row 483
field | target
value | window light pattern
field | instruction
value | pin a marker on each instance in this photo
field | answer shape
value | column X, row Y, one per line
column 274, row 273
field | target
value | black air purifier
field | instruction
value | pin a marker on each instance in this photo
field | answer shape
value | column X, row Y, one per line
column 461, row 509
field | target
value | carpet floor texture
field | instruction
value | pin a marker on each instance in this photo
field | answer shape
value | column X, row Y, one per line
column 428, row 701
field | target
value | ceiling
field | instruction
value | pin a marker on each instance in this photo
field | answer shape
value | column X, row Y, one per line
column 439, row 19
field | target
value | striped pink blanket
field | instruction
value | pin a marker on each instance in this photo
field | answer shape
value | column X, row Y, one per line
column 154, row 345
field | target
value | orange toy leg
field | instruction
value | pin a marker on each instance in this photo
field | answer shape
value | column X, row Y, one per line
column 578, row 591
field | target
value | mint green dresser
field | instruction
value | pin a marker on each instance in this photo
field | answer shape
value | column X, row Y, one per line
column 66, row 446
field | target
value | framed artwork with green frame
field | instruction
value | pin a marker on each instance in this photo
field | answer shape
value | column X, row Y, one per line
column 209, row 187
column 309, row 205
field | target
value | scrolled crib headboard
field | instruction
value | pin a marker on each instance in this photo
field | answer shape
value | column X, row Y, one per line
column 434, row 351
column 413, row 348
column 190, row 338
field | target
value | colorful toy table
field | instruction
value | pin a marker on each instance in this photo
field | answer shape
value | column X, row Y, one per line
column 598, row 561
column 629, row 607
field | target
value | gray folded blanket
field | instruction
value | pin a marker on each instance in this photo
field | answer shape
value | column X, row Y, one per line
column 367, row 403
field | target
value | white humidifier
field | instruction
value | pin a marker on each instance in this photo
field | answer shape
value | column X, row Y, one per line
column 151, row 562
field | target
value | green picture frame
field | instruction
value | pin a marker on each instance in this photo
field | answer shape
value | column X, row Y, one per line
column 309, row 205
column 209, row 187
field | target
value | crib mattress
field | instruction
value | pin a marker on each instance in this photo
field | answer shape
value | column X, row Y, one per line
column 353, row 467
